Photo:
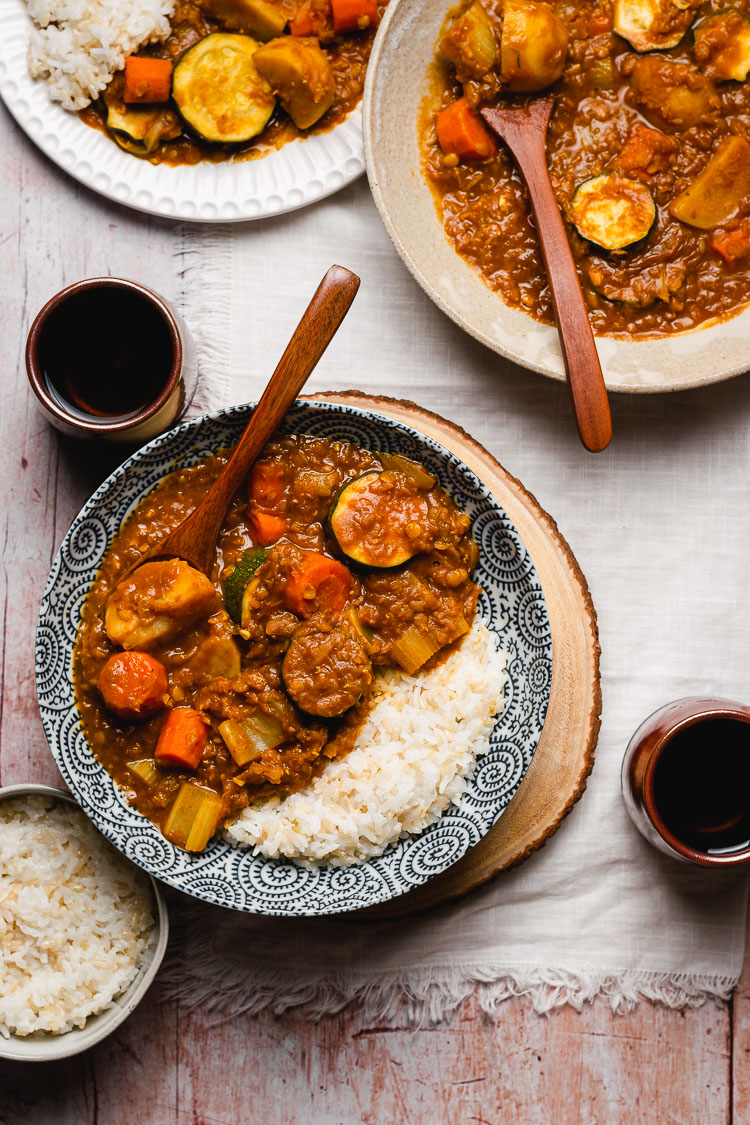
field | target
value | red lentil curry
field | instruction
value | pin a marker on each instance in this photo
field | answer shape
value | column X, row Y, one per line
column 236, row 79
column 648, row 151
column 200, row 695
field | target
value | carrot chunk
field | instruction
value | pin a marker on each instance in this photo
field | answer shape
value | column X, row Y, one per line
column 132, row 684
column 600, row 22
column 732, row 245
column 265, row 484
column 312, row 18
column 147, row 80
column 461, row 133
column 182, row 739
column 317, row 582
column 265, row 527
column 354, row 15
column 645, row 152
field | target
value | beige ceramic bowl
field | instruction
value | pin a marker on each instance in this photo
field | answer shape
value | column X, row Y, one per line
column 45, row 1047
column 396, row 84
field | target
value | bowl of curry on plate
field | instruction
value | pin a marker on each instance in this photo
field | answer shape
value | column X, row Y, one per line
column 168, row 105
column 342, row 710
column 648, row 150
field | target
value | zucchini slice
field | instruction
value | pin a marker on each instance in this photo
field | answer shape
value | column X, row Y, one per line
column 376, row 518
column 219, row 92
column 142, row 130
column 241, row 583
column 652, row 25
column 721, row 46
column 613, row 211
column 325, row 671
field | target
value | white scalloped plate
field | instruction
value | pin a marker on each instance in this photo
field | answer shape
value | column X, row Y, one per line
column 299, row 173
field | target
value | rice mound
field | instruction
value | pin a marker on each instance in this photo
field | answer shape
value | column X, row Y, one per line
column 79, row 44
column 413, row 754
column 75, row 918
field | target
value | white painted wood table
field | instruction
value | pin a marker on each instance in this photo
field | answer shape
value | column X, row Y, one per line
column 164, row 1067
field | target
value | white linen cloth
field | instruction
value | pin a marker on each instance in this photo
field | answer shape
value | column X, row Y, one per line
column 659, row 524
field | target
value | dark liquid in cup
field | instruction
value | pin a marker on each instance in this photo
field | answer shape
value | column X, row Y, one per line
column 105, row 353
column 702, row 786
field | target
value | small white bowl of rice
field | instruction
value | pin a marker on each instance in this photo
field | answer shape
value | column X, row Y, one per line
column 82, row 930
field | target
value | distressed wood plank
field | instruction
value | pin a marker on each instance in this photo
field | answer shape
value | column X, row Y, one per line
column 650, row 1067
column 740, row 1015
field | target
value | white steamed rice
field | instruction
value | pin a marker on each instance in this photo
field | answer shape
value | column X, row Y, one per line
column 75, row 918
column 79, row 44
column 411, row 759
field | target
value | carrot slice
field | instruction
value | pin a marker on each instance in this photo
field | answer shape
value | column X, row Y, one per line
column 733, row 245
column 265, row 484
column 461, row 133
column 317, row 582
column 182, row 739
column 147, row 80
column 265, row 527
column 354, row 15
column 132, row 684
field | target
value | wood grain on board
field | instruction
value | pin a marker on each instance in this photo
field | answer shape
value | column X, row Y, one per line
column 166, row 1066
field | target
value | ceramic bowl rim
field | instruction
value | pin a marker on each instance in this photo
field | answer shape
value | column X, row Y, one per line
column 126, row 1002
column 166, row 450
column 729, row 368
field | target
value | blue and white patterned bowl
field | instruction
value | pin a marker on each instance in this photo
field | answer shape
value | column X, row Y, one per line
column 512, row 604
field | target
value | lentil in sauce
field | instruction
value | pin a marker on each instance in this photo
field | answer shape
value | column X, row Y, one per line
column 273, row 690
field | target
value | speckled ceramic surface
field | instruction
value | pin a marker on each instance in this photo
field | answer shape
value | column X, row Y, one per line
column 399, row 62
column 296, row 174
column 512, row 604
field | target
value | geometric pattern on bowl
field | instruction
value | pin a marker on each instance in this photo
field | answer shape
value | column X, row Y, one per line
column 511, row 604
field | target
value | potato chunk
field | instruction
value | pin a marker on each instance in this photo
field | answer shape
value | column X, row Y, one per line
column 719, row 190
column 299, row 72
column 533, row 46
column 470, row 43
column 263, row 19
column 677, row 92
column 157, row 602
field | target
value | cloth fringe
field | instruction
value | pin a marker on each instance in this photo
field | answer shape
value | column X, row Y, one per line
column 206, row 274
column 225, row 987
column 423, row 997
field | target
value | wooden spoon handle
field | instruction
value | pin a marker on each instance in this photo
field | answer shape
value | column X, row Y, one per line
column 195, row 539
column 584, row 372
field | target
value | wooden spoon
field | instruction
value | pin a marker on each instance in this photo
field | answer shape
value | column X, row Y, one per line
column 195, row 538
column 523, row 127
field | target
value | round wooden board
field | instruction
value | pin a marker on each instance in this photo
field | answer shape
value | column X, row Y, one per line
column 564, row 758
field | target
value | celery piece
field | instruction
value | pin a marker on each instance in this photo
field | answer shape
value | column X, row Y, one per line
column 146, row 770
column 405, row 465
column 414, row 648
column 603, row 74
column 364, row 633
column 246, row 739
column 193, row 817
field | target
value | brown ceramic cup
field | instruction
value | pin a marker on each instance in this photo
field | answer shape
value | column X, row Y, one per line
column 686, row 781
column 148, row 362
